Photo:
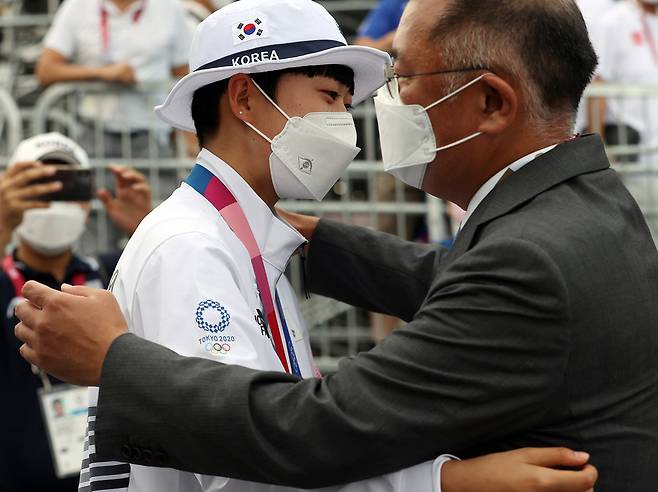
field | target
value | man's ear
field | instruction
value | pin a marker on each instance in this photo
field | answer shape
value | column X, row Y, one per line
column 499, row 105
column 240, row 96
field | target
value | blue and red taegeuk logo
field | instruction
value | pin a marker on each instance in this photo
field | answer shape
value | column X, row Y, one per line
column 248, row 29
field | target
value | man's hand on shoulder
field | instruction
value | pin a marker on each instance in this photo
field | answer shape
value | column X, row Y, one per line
column 305, row 224
column 68, row 333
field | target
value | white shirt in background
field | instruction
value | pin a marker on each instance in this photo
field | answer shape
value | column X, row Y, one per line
column 593, row 12
column 626, row 58
column 155, row 43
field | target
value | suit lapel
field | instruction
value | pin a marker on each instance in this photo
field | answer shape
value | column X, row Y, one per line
column 580, row 156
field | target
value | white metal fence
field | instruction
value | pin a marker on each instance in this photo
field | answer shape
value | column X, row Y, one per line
column 11, row 130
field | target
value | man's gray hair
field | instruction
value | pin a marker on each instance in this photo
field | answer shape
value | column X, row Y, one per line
column 543, row 45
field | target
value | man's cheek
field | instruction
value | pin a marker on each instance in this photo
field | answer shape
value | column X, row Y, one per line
column 408, row 95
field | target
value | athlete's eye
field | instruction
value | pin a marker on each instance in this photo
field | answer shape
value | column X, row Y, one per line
column 332, row 94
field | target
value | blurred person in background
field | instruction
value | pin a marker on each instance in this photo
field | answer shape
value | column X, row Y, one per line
column 46, row 234
column 210, row 5
column 196, row 12
column 378, row 28
column 133, row 43
column 628, row 51
column 593, row 12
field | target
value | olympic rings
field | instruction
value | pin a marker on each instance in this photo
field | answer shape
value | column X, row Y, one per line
column 218, row 348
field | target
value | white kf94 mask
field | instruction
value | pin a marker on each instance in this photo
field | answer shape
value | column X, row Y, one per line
column 311, row 153
column 51, row 231
column 408, row 140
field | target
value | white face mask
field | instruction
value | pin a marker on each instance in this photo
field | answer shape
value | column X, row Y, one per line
column 311, row 153
column 51, row 231
column 407, row 138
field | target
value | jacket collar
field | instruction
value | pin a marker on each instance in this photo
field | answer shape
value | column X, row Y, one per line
column 76, row 265
column 276, row 239
column 568, row 160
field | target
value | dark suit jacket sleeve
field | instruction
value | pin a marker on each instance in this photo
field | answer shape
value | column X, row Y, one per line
column 481, row 360
column 372, row 270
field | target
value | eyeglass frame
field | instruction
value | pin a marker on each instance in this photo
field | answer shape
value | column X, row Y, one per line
column 390, row 75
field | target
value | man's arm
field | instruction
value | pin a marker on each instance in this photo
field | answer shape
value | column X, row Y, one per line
column 60, row 47
column 373, row 270
column 479, row 361
column 54, row 67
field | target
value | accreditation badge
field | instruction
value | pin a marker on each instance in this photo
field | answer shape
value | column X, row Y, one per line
column 64, row 410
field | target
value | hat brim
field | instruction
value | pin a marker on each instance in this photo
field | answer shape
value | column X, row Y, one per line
column 367, row 63
column 61, row 156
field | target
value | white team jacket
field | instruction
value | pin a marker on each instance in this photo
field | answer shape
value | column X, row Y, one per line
column 185, row 281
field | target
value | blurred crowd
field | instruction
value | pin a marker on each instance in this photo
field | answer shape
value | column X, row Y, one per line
column 139, row 45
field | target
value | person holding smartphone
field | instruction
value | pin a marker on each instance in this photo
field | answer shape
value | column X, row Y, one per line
column 46, row 172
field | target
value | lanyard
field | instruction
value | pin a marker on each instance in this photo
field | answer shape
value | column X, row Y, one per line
column 105, row 23
column 286, row 333
column 220, row 197
column 648, row 35
column 18, row 279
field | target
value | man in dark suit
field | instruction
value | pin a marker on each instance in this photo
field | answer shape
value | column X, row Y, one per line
column 538, row 328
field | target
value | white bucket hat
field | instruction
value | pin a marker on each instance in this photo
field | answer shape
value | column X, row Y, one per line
column 50, row 146
column 254, row 36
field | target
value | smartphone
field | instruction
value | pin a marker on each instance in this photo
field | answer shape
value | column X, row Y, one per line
column 77, row 185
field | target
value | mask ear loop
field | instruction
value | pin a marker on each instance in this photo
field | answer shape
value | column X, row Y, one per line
column 458, row 142
column 453, row 94
column 273, row 104
column 449, row 96
column 271, row 100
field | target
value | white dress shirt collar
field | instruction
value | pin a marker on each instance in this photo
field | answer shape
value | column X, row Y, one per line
column 276, row 239
column 491, row 183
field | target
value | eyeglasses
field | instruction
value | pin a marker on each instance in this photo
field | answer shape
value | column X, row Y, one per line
column 392, row 78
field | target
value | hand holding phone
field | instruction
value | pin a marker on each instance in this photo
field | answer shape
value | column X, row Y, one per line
column 20, row 191
column 76, row 185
